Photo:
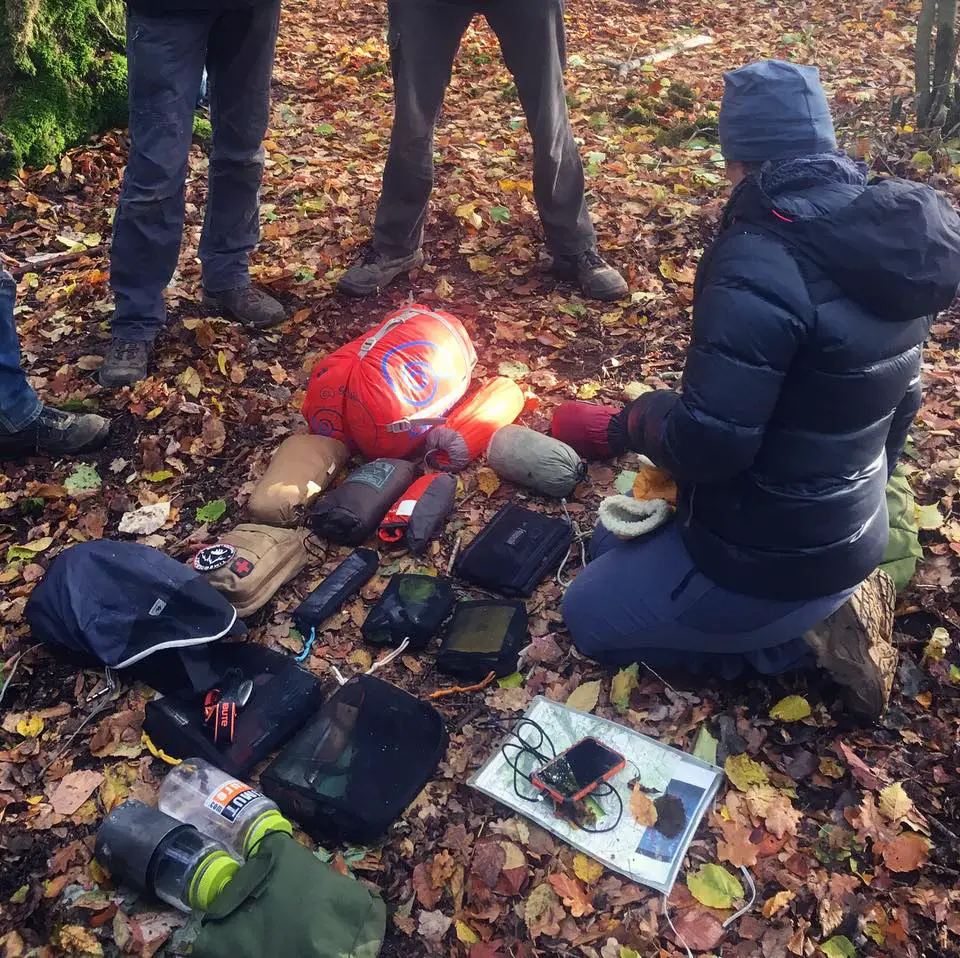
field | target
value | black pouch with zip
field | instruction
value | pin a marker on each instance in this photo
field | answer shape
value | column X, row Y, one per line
column 516, row 550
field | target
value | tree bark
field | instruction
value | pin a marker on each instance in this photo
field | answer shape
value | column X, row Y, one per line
column 922, row 53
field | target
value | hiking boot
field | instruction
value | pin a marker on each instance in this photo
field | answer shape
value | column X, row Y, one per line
column 57, row 433
column 372, row 271
column 596, row 279
column 248, row 305
column 126, row 362
column 855, row 645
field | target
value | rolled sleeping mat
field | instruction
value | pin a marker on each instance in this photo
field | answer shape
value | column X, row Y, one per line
column 470, row 427
column 531, row 459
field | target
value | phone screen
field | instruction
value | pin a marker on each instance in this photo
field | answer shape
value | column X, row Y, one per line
column 582, row 765
column 655, row 844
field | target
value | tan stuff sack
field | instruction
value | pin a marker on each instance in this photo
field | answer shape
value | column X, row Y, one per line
column 250, row 563
column 301, row 468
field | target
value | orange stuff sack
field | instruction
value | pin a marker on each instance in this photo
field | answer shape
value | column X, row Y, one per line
column 470, row 427
column 380, row 393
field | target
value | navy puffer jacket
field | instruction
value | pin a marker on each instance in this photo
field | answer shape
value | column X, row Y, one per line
column 802, row 377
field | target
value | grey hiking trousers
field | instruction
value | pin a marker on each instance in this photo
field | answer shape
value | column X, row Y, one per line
column 424, row 38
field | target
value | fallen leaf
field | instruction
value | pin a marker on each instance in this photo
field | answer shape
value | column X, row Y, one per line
column 895, row 803
column 542, row 911
column 936, row 648
column 642, row 808
column 929, row 517
column 735, row 846
column 84, row 478
column 588, row 390
column 743, row 772
column 73, row 790
column 465, row 933
column 573, row 895
column 653, row 483
column 145, row 520
column 865, row 775
column 481, row 263
column 634, row 390
column 513, row 369
column 586, row 869
column 906, row 853
column 189, row 381
column 695, row 927
column 211, row 511
column 80, row 941
column 793, row 708
column 713, row 886
column 774, row 905
column 29, row 549
column 30, row 727
column 433, row 924
column 839, row 947
column 705, row 747
column 624, row 682
column 488, row 482
column 584, row 697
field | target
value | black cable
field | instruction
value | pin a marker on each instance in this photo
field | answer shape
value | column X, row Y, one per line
column 523, row 747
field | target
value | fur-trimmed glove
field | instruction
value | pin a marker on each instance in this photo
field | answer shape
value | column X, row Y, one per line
column 627, row 518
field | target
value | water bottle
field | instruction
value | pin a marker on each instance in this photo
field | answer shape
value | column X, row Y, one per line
column 220, row 806
column 158, row 854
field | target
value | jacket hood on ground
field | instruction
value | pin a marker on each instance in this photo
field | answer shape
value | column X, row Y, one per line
column 891, row 245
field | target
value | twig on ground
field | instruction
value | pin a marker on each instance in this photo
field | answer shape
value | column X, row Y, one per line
column 628, row 65
column 56, row 259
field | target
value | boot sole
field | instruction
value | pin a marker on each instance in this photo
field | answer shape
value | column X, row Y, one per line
column 354, row 289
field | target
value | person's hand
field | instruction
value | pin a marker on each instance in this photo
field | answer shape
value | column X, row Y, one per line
column 584, row 426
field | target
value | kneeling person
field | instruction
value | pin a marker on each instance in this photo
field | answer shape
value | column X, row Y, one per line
column 800, row 385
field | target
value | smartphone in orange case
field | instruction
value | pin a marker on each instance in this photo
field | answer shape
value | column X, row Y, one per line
column 578, row 770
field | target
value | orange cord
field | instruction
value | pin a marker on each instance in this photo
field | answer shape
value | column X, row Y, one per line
column 440, row 693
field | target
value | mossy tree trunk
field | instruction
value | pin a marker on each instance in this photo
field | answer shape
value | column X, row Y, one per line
column 62, row 76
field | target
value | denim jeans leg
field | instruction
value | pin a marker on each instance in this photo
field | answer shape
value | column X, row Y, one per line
column 424, row 39
column 533, row 42
column 165, row 57
column 19, row 404
column 240, row 64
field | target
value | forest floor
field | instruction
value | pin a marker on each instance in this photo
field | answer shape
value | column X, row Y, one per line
column 852, row 834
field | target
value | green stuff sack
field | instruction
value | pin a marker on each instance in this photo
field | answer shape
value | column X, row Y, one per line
column 286, row 902
column 903, row 550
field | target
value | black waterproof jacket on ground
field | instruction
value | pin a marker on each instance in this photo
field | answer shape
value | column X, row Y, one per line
column 802, row 377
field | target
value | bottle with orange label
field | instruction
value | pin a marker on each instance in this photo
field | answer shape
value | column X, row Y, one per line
column 220, row 806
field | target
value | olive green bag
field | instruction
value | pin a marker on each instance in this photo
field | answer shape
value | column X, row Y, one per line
column 903, row 550
column 284, row 901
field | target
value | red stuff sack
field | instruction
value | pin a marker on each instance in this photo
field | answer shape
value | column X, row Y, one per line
column 470, row 427
column 380, row 393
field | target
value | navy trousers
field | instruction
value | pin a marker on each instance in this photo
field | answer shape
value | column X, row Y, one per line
column 644, row 600
column 166, row 56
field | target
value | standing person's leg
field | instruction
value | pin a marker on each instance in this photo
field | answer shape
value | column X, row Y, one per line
column 424, row 39
column 26, row 424
column 165, row 56
column 533, row 42
column 19, row 404
column 240, row 65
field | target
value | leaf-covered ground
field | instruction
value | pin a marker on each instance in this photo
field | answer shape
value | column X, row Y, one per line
column 851, row 834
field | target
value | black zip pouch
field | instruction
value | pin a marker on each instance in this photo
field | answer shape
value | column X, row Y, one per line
column 483, row 637
column 516, row 551
column 412, row 607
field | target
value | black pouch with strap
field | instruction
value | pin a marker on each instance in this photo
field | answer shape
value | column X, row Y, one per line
column 515, row 551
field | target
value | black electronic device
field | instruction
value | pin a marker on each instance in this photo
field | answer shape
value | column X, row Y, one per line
column 575, row 773
column 342, row 584
column 412, row 608
column 484, row 636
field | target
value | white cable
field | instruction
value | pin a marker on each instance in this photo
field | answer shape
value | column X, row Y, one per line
column 751, row 884
column 673, row 928
column 387, row 659
column 337, row 675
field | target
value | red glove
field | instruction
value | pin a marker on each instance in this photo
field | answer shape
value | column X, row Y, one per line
column 583, row 425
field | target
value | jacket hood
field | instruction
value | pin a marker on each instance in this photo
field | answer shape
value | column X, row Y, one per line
column 891, row 245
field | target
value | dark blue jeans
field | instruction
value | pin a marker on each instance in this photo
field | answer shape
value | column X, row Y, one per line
column 645, row 601
column 19, row 404
column 166, row 55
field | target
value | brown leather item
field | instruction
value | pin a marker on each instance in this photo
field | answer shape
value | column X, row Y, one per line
column 251, row 562
column 301, row 468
